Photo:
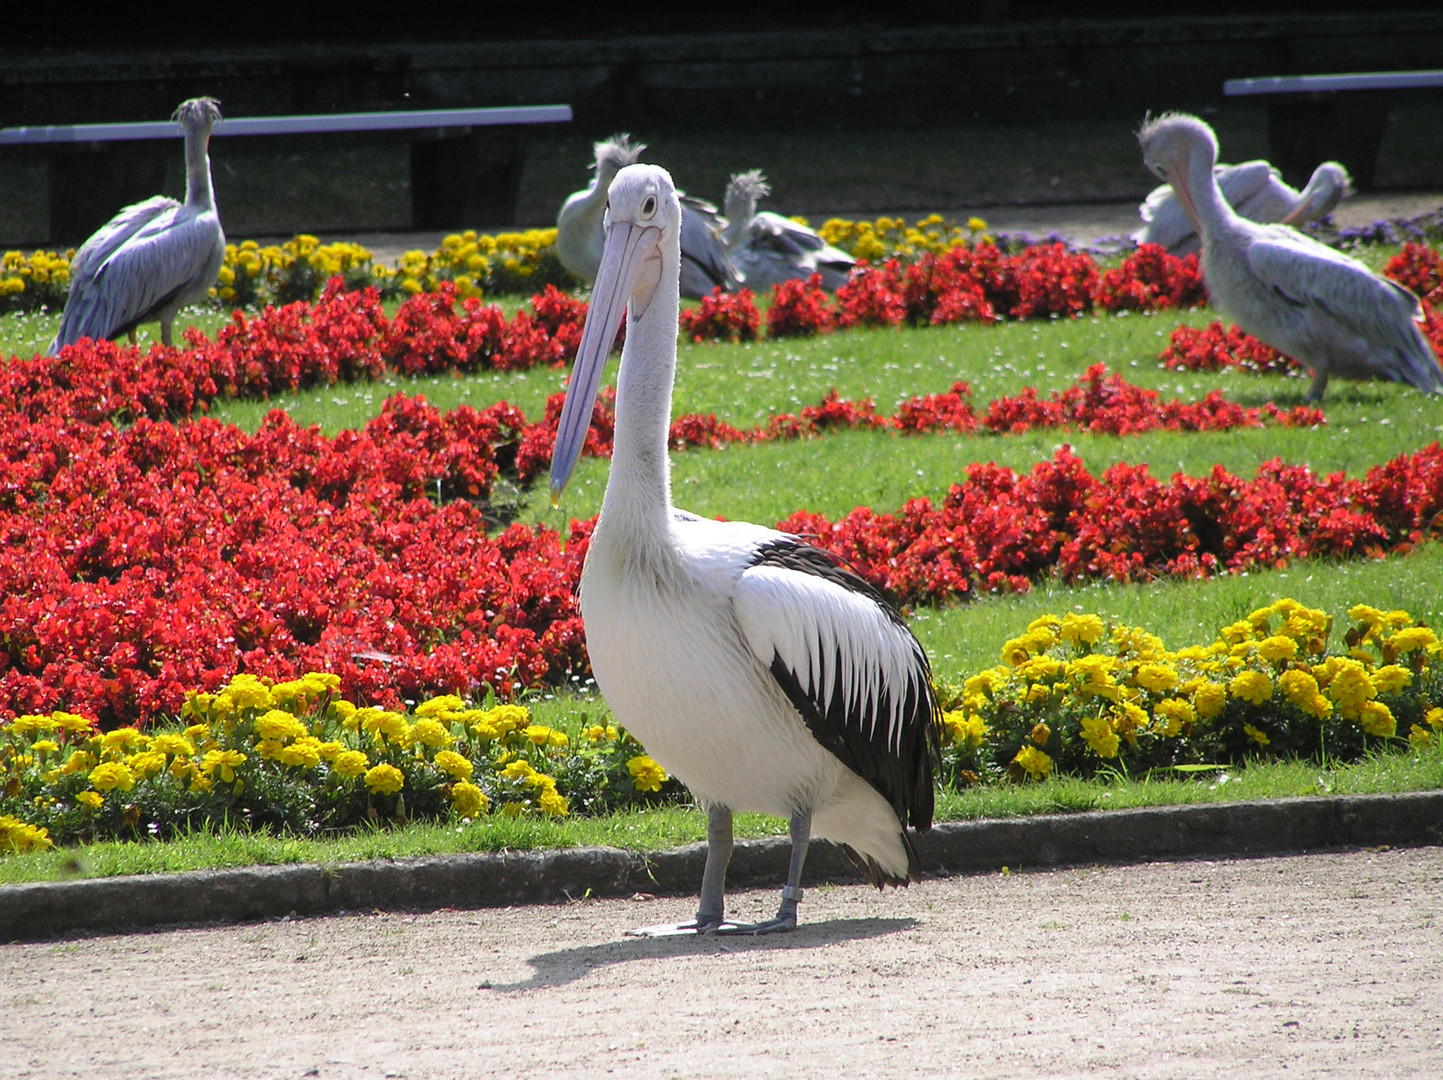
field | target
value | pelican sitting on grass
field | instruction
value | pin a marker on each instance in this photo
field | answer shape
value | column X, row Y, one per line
column 1327, row 311
column 1256, row 190
column 754, row 667
column 768, row 248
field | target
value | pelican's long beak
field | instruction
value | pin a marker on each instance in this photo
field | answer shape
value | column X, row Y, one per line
column 1177, row 176
column 1298, row 213
column 629, row 250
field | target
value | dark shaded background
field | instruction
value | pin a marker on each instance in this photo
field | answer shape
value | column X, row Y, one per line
column 927, row 106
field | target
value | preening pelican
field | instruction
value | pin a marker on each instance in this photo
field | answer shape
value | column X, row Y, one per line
column 754, row 667
column 1256, row 190
column 580, row 233
column 1325, row 310
column 768, row 248
column 153, row 257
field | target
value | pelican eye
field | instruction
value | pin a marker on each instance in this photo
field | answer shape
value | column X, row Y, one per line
column 649, row 206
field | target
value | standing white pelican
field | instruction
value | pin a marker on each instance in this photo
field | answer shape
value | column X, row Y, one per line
column 580, row 233
column 1256, row 190
column 153, row 257
column 768, row 248
column 764, row 675
column 1325, row 310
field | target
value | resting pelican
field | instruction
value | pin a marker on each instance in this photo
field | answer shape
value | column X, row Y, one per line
column 153, row 257
column 768, row 248
column 764, row 675
column 705, row 263
column 1255, row 190
column 1325, row 310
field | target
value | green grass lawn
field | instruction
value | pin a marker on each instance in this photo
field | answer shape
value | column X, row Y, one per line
column 745, row 385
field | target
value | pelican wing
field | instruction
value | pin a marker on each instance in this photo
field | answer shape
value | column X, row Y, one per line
column 704, row 259
column 1308, row 274
column 115, row 232
column 1254, row 187
column 847, row 662
column 167, row 259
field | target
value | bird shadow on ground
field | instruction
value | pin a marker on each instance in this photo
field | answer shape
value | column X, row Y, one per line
column 565, row 966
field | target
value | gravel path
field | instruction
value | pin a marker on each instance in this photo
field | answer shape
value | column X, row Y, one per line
column 1326, row 965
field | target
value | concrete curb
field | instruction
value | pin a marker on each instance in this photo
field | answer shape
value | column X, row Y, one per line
column 1285, row 826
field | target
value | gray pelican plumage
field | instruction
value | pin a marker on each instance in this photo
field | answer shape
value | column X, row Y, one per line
column 1256, row 190
column 1327, row 311
column 768, row 248
column 580, row 234
column 153, row 257
column 761, row 672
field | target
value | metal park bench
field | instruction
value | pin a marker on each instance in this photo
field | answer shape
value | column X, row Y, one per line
column 1314, row 118
column 465, row 168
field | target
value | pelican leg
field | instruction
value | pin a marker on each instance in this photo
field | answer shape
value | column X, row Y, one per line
column 709, row 916
column 1320, row 383
column 801, row 830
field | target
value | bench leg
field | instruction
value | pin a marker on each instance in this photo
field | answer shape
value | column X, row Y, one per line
column 466, row 182
column 1305, row 130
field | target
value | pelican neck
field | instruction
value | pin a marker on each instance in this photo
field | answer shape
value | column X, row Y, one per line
column 198, row 190
column 639, row 489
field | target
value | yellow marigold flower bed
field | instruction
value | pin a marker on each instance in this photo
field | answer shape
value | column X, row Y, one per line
column 1074, row 694
column 1093, row 697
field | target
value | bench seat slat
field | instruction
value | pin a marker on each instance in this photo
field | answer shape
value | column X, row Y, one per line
column 1363, row 80
column 294, row 125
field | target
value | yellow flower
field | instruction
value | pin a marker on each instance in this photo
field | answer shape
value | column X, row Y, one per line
column 279, row 726
column 1173, row 714
column 1414, row 637
column 1277, row 648
column 454, row 765
column 1419, row 736
column 438, row 706
column 1434, row 719
column 1348, row 684
column 646, row 774
column 1251, row 686
column 172, row 744
column 1097, row 730
column 351, row 763
column 224, row 762
column 121, row 739
column 304, row 753
column 16, row 835
column 1081, row 630
column 1391, row 678
column 1159, row 678
column 430, row 733
column 507, row 718
column 468, row 800
column 1301, row 689
column 1257, row 736
column 91, row 800
column 553, row 804
column 1034, row 762
column 976, row 224
column 247, row 692
column 385, row 779
column 110, row 776
column 1377, row 719
column 1209, row 699
column 146, row 763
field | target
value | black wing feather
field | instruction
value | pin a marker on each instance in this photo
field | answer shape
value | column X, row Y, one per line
column 858, row 732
